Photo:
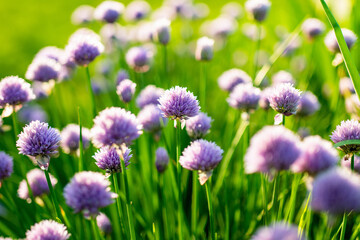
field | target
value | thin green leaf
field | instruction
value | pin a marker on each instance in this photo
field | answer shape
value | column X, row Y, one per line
column 346, row 142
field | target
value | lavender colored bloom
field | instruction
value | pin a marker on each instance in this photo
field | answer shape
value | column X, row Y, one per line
column 278, row 231
column 151, row 118
column 115, row 126
column 70, row 138
column 149, row 95
column 114, row 36
column 352, row 104
column 82, row 15
column 138, row 59
column 244, row 97
column 347, row 130
column 331, row 41
column 83, row 33
column 273, row 148
column 201, row 156
column 43, row 69
column 6, row 165
column 107, row 158
column 309, row 104
column 285, row 99
column 87, row 192
column 347, row 163
column 230, row 78
column 312, row 28
column 178, row 103
column 264, row 102
column 346, row 86
column 109, row 11
column 198, row 126
column 220, row 27
column 14, row 91
column 162, row 159
column 303, row 132
column 317, row 155
column 47, row 230
column 121, row 75
column 37, row 182
column 161, row 31
column 258, row 9
column 283, row 77
column 137, row 10
column 104, row 223
column 40, row 141
column 336, row 191
column 233, row 10
column 204, row 49
column 126, row 90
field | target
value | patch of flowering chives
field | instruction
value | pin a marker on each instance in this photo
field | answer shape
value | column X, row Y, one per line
column 336, row 191
column 121, row 75
column 285, row 99
column 161, row 31
column 347, row 130
column 84, row 33
column 278, row 231
column 115, row 126
column 137, row 10
column 346, row 162
column 258, row 9
column 125, row 90
column 87, row 192
column 178, row 104
column 264, row 102
column 151, row 118
column 40, row 141
column 244, row 97
column 198, row 126
column 108, row 159
column 82, row 15
column 6, row 165
column 114, row 36
column 162, row 159
column 201, row 156
column 204, row 49
column 15, row 91
column 220, row 28
column 47, row 230
column 309, row 104
column 312, row 28
column 346, row 86
column 37, row 182
column 138, row 59
column 282, row 77
column 31, row 113
column 230, row 78
column 273, row 148
column 317, row 155
column 43, row 69
column 149, row 95
column 232, row 9
column 108, row 11
column 331, row 41
column 70, row 138
column 104, row 223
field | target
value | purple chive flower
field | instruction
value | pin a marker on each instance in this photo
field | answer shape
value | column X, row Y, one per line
column 151, row 118
column 46, row 230
column 14, row 91
column 201, row 156
column 126, row 90
column 87, row 192
column 121, row 75
column 70, row 138
column 346, row 86
column 178, row 104
column 82, row 15
column 309, row 104
column 273, row 148
column 282, row 77
column 278, row 231
column 83, row 33
column 336, row 191
column 204, row 49
column 244, row 97
column 138, row 59
column 114, row 36
column 347, row 163
column 220, row 28
column 258, row 9
column 331, row 41
column 317, row 155
column 285, row 99
column 40, row 141
column 104, row 224
column 161, row 31
column 312, row 27
column 137, row 10
column 197, row 127
column 6, row 165
column 162, row 159
column 347, row 130
column 37, row 182
column 230, row 78
column 149, row 95
column 108, row 159
column 115, row 126
column 43, row 69
column 109, row 11
column 264, row 102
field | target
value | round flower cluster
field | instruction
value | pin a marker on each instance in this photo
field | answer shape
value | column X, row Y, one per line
column 47, row 229
column 70, row 138
column 230, row 78
column 198, row 126
column 14, row 91
column 347, row 130
column 108, row 159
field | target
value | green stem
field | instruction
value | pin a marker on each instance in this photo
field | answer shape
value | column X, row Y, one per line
column 15, row 126
column 295, row 185
column 178, row 168
column 210, row 207
column 163, row 205
column 118, row 203
column 257, row 49
column 352, row 162
column 94, row 228
column 93, row 106
column 81, row 159
column 194, row 204
column 203, row 85
column 59, row 217
column 165, row 60
column 343, row 228
column 264, row 191
column 283, row 123
column 275, row 195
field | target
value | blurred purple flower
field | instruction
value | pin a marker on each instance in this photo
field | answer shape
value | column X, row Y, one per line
column 198, row 126
column 162, row 159
column 264, row 102
column 138, row 59
column 149, row 95
column 312, row 27
column 14, row 91
column 204, row 49
column 114, row 36
column 70, row 138
column 82, row 15
column 161, row 31
column 282, row 77
column 121, row 75
column 108, row 11
column 104, row 224
column 151, row 118
column 43, row 69
column 47, row 230
column 346, row 86
column 278, row 231
column 230, row 78
column 345, row 162
column 258, row 9
column 233, row 10
column 309, row 104
column 347, row 130
column 125, row 90
column 6, row 165
column 137, row 10
column 244, row 97
column 331, row 41
column 285, row 99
